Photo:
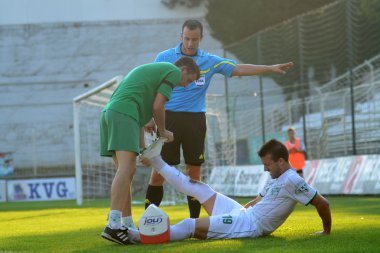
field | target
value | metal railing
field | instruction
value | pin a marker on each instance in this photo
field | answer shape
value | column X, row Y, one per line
column 328, row 122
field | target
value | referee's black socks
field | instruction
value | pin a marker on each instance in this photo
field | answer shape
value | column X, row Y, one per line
column 154, row 195
column 194, row 207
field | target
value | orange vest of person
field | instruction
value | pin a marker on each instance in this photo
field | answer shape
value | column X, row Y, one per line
column 296, row 159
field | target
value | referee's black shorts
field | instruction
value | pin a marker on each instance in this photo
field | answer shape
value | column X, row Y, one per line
column 189, row 129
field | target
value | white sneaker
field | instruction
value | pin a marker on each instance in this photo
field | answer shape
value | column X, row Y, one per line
column 153, row 149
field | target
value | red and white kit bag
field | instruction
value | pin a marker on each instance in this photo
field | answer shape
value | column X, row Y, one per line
column 154, row 226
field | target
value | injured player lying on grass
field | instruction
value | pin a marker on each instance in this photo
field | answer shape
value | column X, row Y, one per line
column 227, row 218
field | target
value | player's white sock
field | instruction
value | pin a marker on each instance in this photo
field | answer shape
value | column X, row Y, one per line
column 114, row 219
column 181, row 182
column 128, row 222
column 182, row 230
column 134, row 235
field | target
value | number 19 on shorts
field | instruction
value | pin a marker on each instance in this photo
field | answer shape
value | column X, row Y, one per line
column 227, row 219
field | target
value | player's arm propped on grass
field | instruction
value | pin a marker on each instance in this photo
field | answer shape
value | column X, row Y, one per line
column 323, row 208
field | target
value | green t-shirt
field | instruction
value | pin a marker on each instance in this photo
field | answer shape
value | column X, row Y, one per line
column 135, row 95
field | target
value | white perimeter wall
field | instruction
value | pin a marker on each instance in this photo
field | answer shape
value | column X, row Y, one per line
column 52, row 51
column 52, row 11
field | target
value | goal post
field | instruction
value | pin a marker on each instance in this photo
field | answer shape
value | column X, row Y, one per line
column 97, row 98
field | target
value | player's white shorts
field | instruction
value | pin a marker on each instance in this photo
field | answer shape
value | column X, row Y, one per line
column 224, row 204
column 231, row 220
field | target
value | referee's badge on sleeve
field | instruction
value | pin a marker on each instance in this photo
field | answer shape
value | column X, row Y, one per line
column 201, row 81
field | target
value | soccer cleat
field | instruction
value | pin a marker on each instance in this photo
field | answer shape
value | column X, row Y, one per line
column 119, row 236
column 153, row 149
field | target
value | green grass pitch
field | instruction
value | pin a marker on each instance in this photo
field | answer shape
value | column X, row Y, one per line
column 64, row 227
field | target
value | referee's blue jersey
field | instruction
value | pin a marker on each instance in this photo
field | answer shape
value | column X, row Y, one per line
column 193, row 97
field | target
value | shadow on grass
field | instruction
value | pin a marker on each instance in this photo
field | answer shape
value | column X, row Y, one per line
column 356, row 204
column 89, row 240
column 62, row 204
column 65, row 204
column 349, row 205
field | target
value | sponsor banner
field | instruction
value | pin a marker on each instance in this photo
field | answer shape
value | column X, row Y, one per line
column 239, row 180
column 342, row 175
column 41, row 189
column 352, row 174
column 310, row 171
column 368, row 178
column 331, row 175
column 250, row 180
column 222, row 179
column 3, row 191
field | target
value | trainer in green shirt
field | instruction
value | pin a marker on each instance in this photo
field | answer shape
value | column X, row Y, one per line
column 139, row 97
column 136, row 93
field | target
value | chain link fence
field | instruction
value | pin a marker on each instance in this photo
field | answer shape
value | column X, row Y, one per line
column 331, row 96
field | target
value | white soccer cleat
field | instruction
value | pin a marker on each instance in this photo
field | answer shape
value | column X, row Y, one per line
column 153, row 149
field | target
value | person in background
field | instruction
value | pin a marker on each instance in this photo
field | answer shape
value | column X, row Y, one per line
column 297, row 151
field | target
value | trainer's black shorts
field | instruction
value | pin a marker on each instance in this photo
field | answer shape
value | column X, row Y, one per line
column 189, row 129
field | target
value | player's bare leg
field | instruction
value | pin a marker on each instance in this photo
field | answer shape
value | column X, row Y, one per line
column 120, row 189
column 156, row 179
column 126, row 213
column 193, row 171
column 202, row 226
column 121, row 185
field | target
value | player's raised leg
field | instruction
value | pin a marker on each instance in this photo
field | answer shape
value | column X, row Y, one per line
column 201, row 191
column 181, row 182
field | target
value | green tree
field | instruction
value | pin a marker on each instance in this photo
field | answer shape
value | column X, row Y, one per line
column 231, row 21
column 338, row 36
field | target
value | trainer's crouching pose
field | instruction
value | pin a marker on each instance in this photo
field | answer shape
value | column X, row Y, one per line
column 139, row 97
column 229, row 219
